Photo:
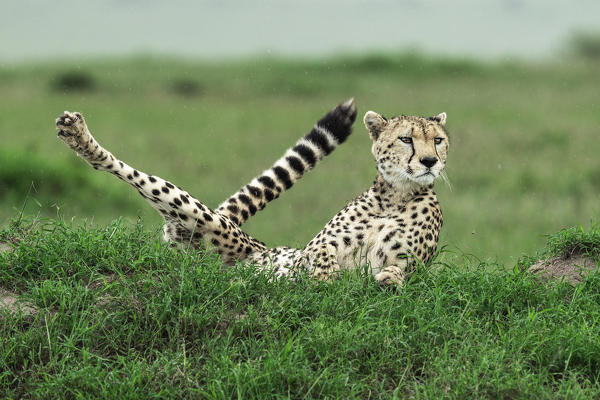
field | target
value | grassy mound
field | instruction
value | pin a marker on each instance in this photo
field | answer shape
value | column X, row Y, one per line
column 120, row 314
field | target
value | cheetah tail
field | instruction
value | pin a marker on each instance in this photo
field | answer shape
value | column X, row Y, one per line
column 331, row 131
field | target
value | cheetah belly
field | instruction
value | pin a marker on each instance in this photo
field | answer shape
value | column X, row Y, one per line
column 281, row 260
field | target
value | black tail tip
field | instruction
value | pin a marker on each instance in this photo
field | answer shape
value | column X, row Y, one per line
column 339, row 120
column 349, row 108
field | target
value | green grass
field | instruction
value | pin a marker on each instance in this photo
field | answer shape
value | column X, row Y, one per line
column 523, row 161
column 121, row 315
column 575, row 240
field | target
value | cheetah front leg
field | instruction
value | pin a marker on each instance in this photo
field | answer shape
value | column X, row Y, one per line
column 187, row 218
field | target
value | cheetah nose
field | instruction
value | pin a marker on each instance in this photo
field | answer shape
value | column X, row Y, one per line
column 428, row 161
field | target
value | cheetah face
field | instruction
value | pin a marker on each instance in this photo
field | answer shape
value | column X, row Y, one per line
column 408, row 150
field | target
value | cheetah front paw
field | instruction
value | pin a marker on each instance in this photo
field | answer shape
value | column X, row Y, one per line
column 72, row 128
column 390, row 276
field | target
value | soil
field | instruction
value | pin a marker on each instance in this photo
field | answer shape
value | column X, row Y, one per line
column 572, row 269
column 5, row 247
column 9, row 301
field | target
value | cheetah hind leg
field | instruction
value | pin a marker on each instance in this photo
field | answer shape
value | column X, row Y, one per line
column 187, row 219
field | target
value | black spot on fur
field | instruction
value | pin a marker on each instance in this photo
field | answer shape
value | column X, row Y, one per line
column 267, row 181
column 283, row 176
column 334, row 123
column 296, row 164
column 269, row 195
column 306, row 153
column 244, row 199
column 254, row 191
column 320, row 140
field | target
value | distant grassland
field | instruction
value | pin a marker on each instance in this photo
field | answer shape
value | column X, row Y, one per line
column 524, row 157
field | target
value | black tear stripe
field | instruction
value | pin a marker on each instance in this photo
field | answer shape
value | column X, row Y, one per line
column 436, row 152
column 412, row 147
column 319, row 139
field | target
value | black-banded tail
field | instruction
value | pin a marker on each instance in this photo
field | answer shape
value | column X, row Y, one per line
column 331, row 131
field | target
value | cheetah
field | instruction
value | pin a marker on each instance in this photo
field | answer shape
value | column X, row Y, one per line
column 390, row 227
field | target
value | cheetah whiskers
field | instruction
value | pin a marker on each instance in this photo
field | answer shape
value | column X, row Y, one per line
column 446, row 179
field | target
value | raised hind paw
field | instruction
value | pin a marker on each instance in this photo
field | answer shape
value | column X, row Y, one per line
column 72, row 128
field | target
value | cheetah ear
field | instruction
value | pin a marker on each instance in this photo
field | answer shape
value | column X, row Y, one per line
column 440, row 118
column 375, row 123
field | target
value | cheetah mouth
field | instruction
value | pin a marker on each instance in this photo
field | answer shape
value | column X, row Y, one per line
column 425, row 178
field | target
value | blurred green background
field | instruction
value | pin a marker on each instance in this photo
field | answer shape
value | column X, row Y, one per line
column 226, row 87
column 524, row 158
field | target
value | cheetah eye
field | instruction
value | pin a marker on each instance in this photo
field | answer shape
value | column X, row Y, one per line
column 438, row 140
column 406, row 140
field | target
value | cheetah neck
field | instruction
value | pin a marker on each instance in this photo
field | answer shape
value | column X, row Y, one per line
column 391, row 196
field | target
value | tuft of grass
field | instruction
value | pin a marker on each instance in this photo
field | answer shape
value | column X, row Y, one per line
column 575, row 240
column 121, row 314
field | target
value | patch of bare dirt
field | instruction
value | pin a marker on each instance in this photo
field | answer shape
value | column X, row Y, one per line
column 102, row 281
column 571, row 269
column 4, row 247
column 10, row 301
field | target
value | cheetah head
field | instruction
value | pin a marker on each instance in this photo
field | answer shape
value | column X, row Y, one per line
column 408, row 150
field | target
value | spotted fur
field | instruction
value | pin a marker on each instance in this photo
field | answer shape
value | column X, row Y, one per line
column 390, row 226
